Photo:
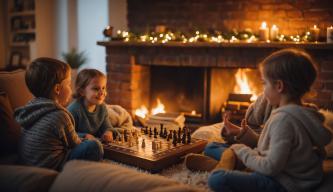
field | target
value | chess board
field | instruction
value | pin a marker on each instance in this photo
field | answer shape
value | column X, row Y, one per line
column 148, row 159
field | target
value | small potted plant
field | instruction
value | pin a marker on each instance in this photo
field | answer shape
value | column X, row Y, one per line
column 75, row 60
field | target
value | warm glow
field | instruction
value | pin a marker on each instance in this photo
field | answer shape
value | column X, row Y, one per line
column 315, row 26
column 242, row 84
column 159, row 109
column 193, row 112
column 274, row 27
column 141, row 112
column 263, row 25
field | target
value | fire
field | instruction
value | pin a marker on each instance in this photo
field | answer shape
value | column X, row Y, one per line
column 242, row 85
column 143, row 111
column 159, row 109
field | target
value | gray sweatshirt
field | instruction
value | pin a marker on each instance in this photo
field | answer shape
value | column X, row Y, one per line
column 48, row 133
column 290, row 148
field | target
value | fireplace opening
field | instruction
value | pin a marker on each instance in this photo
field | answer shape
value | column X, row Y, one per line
column 203, row 94
column 181, row 90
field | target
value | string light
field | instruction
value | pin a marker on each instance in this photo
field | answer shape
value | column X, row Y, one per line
column 198, row 36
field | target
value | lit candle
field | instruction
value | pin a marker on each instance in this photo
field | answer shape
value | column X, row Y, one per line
column 263, row 32
column 315, row 32
column 274, row 32
column 330, row 34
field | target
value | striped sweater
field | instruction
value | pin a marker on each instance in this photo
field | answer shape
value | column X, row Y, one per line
column 48, row 133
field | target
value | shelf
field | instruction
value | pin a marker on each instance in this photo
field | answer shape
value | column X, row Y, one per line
column 22, row 13
column 21, row 44
column 23, row 31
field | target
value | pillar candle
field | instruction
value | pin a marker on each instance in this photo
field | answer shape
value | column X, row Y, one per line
column 274, row 32
column 315, row 32
column 330, row 34
column 263, row 32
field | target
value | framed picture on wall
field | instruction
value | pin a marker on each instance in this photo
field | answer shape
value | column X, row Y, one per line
column 15, row 59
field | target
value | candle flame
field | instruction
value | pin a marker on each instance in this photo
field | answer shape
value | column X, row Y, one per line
column 274, row 27
column 263, row 25
column 315, row 26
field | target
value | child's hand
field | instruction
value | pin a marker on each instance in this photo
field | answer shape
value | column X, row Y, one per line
column 230, row 129
column 89, row 136
column 107, row 136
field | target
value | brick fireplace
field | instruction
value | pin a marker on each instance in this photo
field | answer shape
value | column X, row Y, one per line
column 133, row 68
column 129, row 68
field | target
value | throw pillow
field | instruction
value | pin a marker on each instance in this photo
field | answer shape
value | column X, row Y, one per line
column 119, row 117
column 13, row 83
column 10, row 129
column 24, row 178
column 85, row 176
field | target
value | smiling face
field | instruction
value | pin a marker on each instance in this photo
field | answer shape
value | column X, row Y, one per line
column 94, row 93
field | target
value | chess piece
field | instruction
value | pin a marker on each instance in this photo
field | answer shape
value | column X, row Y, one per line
column 153, row 145
column 150, row 132
column 188, row 136
column 160, row 144
column 143, row 144
column 161, row 130
column 125, row 135
column 174, row 138
column 155, row 132
column 184, row 138
column 165, row 133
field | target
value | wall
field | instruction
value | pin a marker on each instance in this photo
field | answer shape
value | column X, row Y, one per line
column 292, row 17
column 118, row 15
column 92, row 19
column 2, row 34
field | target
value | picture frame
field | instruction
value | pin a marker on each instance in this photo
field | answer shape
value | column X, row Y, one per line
column 15, row 59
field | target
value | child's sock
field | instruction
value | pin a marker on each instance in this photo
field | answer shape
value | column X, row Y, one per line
column 198, row 162
column 228, row 160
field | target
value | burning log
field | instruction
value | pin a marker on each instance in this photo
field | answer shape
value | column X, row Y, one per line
column 237, row 104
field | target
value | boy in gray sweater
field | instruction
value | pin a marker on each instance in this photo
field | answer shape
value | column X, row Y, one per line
column 48, row 137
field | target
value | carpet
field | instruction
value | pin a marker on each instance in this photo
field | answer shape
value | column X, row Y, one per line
column 179, row 173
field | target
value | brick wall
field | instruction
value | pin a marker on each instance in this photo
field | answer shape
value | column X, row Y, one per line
column 291, row 16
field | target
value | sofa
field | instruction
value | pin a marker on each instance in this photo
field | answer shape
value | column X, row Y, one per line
column 76, row 175
column 82, row 175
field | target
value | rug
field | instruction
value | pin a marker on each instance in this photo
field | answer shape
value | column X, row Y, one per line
column 179, row 173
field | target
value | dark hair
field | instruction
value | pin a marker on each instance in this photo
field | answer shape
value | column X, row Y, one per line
column 83, row 79
column 43, row 74
column 295, row 68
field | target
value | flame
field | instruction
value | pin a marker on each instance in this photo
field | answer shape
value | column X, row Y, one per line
column 242, row 85
column 263, row 25
column 141, row 112
column 193, row 112
column 159, row 109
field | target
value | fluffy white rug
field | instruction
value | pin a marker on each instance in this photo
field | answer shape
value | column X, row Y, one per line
column 179, row 173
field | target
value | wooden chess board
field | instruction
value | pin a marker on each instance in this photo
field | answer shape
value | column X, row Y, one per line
column 147, row 158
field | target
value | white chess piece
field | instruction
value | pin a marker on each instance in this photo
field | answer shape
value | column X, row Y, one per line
column 153, row 145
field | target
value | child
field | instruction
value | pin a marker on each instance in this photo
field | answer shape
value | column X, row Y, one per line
column 290, row 149
column 49, row 138
column 89, row 110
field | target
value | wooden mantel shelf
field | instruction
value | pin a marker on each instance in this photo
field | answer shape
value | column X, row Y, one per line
column 313, row 45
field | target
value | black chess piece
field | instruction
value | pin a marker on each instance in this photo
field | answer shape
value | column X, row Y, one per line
column 184, row 138
column 169, row 136
column 145, row 130
column 174, row 138
column 161, row 130
column 155, row 132
column 188, row 137
column 150, row 132
column 165, row 133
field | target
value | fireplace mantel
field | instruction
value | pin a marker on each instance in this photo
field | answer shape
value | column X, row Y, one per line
column 203, row 54
column 128, row 65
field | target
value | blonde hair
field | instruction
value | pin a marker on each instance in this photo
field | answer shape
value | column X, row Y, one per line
column 83, row 79
column 295, row 68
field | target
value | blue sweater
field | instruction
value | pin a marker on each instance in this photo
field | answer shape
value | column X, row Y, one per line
column 95, row 123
